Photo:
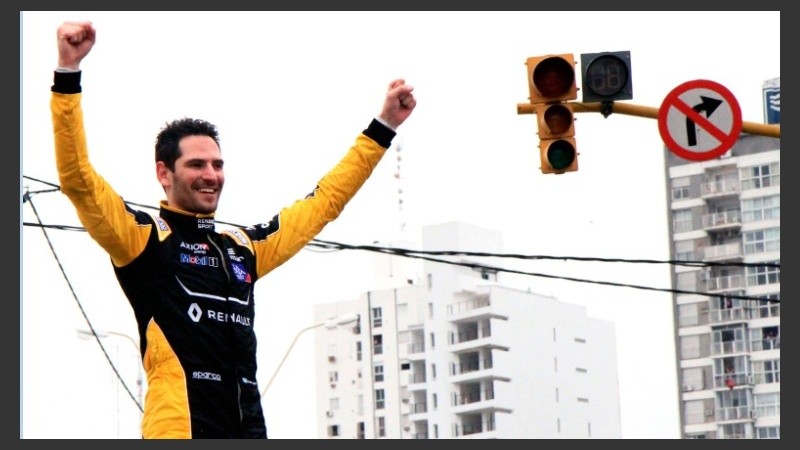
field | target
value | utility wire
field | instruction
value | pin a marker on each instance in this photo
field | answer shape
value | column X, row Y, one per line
column 330, row 246
column 27, row 199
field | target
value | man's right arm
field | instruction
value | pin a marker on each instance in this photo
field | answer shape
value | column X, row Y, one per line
column 101, row 211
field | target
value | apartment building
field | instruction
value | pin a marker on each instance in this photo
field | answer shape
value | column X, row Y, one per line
column 726, row 213
column 444, row 350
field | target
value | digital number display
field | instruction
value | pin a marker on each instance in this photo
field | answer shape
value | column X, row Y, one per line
column 606, row 75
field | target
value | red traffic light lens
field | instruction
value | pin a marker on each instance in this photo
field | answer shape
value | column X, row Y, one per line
column 553, row 76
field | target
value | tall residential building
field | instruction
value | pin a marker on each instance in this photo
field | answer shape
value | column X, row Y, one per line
column 442, row 350
column 726, row 212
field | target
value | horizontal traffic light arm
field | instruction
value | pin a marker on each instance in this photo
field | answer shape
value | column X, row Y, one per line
column 652, row 113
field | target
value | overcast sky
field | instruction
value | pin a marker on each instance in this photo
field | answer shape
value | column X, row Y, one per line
column 289, row 93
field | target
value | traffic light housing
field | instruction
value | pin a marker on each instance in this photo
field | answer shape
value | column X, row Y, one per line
column 606, row 76
column 551, row 78
column 557, row 148
column 552, row 83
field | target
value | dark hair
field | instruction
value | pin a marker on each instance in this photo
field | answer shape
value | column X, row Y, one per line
column 170, row 136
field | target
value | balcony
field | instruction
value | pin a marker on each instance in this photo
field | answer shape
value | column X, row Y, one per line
column 722, row 220
column 724, row 252
column 729, row 315
column 472, row 397
column 734, row 413
column 729, row 347
column 470, row 428
column 725, row 283
column 720, row 188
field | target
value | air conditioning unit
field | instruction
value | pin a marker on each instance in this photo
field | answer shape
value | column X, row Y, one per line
column 709, row 412
column 329, row 413
column 333, row 385
column 331, row 358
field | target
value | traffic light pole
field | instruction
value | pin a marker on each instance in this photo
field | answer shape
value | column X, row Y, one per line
column 652, row 113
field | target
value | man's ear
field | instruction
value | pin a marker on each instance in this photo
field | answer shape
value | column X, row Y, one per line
column 163, row 174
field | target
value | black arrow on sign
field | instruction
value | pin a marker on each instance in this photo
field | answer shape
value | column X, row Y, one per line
column 709, row 105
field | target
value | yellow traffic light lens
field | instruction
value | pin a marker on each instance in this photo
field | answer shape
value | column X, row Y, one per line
column 560, row 154
column 553, row 76
column 558, row 119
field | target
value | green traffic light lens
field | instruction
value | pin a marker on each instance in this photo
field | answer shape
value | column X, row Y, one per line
column 553, row 76
column 560, row 154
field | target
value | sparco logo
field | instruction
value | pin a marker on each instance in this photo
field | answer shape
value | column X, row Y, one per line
column 197, row 375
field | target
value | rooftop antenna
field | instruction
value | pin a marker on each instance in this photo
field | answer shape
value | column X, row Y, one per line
column 398, row 176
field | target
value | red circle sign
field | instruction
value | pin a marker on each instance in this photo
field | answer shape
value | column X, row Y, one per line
column 699, row 120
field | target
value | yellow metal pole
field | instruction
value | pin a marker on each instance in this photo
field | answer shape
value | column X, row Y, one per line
column 652, row 113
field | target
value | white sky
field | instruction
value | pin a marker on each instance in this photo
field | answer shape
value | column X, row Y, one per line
column 289, row 93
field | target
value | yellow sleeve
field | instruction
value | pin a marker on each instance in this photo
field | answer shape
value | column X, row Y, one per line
column 299, row 223
column 100, row 209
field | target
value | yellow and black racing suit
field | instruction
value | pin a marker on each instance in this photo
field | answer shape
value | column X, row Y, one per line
column 191, row 287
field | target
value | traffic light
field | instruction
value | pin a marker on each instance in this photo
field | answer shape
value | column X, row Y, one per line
column 551, row 82
column 606, row 76
column 551, row 78
column 557, row 148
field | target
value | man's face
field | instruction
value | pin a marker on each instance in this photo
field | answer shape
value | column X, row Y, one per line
column 196, row 183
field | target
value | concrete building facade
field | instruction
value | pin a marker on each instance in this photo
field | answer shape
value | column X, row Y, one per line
column 725, row 214
column 443, row 350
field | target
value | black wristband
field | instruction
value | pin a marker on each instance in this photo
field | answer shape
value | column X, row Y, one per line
column 66, row 82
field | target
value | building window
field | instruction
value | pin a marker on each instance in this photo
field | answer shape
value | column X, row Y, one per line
column 380, row 399
column 377, row 344
column 433, row 342
column 682, row 220
column 358, row 351
column 684, row 251
column 680, row 188
column 430, row 310
column 378, row 373
column 377, row 317
column 333, row 376
column 333, row 430
column 332, row 352
column 761, row 208
column 360, row 432
column 381, row 427
column 768, row 371
column 757, row 276
column 435, row 401
column 768, row 433
column 767, row 405
column 757, row 177
column 433, row 371
column 762, row 241
column 334, row 404
column 580, row 370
